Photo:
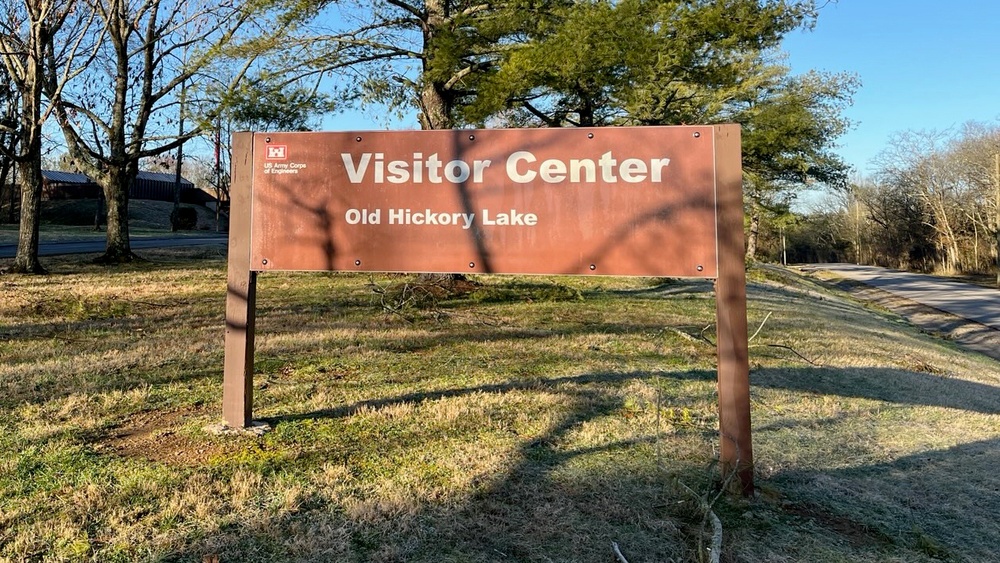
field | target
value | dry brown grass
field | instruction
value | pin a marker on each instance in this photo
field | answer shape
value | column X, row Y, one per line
column 530, row 420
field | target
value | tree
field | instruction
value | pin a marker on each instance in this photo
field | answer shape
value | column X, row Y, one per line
column 261, row 106
column 125, row 110
column 951, row 175
column 569, row 70
column 667, row 62
column 790, row 125
column 975, row 152
column 28, row 53
column 819, row 237
column 431, row 55
column 650, row 62
column 890, row 224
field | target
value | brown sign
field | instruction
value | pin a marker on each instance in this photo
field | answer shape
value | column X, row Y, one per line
column 611, row 201
column 656, row 201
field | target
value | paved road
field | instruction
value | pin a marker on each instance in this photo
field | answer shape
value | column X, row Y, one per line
column 972, row 302
column 97, row 245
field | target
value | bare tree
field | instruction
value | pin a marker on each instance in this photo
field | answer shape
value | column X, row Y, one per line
column 28, row 50
column 127, row 108
column 974, row 154
column 936, row 196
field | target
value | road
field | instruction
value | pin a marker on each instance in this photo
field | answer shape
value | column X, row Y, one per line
column 968, row 301
column 97, row 245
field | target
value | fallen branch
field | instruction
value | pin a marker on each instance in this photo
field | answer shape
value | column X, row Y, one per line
column 705, row 338
column 789, row 348
column 683, row 334
column 760, row 327
column 715, row 551
column 618, row 552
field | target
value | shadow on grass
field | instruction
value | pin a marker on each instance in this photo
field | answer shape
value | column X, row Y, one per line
column 940, row 503
column 885, row 384
column 567, row 504
column 891, row 385
column 555, row 503
column 882, row 384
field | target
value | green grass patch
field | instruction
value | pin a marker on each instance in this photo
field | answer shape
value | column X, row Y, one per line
column 520, row 419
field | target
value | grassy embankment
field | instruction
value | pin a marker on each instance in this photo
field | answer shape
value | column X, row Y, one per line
column 73, row 219
column 534, row 419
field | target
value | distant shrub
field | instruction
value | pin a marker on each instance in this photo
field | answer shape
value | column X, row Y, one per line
column 186, row 218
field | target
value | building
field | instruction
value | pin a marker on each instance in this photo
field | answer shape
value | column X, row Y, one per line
column 68, row 185
column 156, row 186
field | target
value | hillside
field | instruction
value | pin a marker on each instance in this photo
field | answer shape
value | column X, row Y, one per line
column 143, row 214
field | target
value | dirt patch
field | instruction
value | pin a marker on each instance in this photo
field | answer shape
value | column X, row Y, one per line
column 968, row 334
column 856, row 533
column 160, row 436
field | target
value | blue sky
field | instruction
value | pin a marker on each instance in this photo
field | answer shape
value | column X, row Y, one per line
column 923, row 65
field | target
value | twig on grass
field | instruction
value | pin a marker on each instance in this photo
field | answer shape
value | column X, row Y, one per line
column 754, row 335
column 705, row 338
column 760, row 327
column 683, row 334
column 66, row 339
column 706, row 505
column 393, row 304
column 618, row 552
column 151, row 304
column 789, row 348
column 715, row 549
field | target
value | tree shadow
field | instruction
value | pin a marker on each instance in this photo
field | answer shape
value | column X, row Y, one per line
column 941, row 502
column 891, row 385
column 554, row 503
column 560, row 503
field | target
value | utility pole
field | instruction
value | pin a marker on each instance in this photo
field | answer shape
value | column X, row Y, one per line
column 784, row 248
column 996, row 161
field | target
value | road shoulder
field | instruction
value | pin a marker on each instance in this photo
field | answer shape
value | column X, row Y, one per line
column 963, row 332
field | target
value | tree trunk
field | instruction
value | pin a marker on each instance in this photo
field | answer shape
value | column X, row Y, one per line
column 13, row 197
column 99, row 212
column 435, row 105
column 7, row 189
column 29, row 163
column 752, row 235
column 435, row 111
column 118, row 248
column 26, row 261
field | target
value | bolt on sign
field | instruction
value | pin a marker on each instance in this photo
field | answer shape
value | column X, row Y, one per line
column 629, row 201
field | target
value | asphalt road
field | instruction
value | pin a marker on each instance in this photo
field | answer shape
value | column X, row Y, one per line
column 968, row 301
column 97, row 245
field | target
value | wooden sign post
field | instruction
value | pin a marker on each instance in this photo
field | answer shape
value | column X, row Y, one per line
column 643, row 201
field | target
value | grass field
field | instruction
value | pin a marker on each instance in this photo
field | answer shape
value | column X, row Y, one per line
column 529, row 419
